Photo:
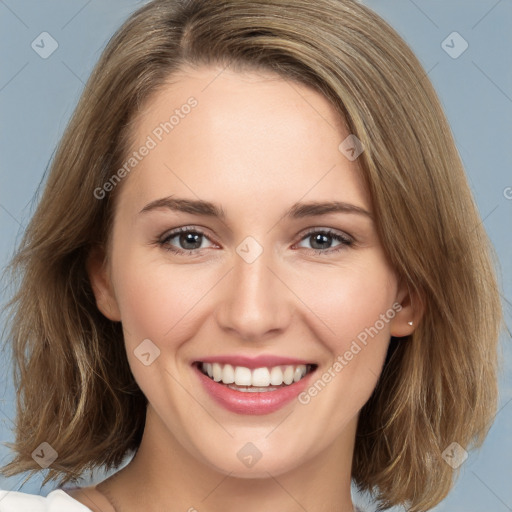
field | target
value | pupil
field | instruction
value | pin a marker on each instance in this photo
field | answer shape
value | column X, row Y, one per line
column 190, row 238
column 319, row 238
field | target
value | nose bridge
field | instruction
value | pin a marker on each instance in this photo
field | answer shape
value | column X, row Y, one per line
column 255, row 301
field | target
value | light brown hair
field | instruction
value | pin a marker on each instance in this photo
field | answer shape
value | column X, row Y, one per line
column 75, row 388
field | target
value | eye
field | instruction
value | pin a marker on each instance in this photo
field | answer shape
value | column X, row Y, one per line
column 189, row 239
column 321, row 240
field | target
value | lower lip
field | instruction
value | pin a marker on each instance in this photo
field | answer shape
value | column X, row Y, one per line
column 248, row 402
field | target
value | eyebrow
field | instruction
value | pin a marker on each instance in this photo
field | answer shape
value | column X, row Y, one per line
column 297, row 211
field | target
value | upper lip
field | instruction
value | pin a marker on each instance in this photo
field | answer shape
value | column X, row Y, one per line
column 254, row 362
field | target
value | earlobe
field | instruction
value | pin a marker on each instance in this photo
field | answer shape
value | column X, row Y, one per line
column 102, row 285
column 407, row 318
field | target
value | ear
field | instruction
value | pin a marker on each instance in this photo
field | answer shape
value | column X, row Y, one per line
column 101, row 284
column 408, row 317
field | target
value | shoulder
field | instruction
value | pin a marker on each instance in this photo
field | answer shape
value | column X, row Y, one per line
column 90, row 497
column 56, row 501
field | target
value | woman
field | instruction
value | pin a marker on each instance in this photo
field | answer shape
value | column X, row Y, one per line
column 256, row 267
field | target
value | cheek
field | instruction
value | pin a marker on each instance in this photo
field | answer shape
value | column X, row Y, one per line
column 348, row 300
column 160, row 303
column 157, row 300
column 353, row 307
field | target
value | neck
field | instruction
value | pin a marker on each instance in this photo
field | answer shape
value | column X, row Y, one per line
column 163, row 472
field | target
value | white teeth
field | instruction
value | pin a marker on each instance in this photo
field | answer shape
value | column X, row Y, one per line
column 228, row 374
column 288, row 375
column 260, row 377
column 297, row 374
column 217, row 372
column 276, row 376
column 257, row 378
column 243, row 376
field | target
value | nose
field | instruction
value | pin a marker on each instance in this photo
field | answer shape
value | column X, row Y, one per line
column 256, row 302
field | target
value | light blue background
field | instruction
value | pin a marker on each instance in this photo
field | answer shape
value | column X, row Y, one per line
column 37, row 96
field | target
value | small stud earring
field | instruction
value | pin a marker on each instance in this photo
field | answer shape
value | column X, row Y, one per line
column 410, row 323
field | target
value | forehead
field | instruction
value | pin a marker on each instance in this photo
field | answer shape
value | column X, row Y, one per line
column 219, row 134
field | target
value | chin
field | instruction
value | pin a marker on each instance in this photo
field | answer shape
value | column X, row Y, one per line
column 264, row 467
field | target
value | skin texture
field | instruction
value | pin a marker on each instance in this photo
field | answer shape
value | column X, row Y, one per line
column 255, row 144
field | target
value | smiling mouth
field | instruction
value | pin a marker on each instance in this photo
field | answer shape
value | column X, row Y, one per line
column 241, row 378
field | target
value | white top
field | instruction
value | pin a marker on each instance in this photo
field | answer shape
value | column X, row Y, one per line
column 56, row 501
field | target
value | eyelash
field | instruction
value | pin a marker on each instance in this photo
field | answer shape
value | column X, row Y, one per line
column 344, row 239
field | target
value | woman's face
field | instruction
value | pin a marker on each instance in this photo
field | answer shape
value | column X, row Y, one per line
column 271, row 277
